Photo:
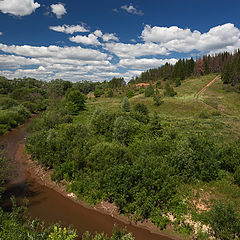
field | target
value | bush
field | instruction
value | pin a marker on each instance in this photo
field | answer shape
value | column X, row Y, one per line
column 124, row 129
column 7, row 103
column 98, row 92
column 169, row 92
column 157, row 99
column 142, row 108
column 237, row 176
column 109, row 93
column 139, row 116
column 149, row 91
column 32, row 107
column 130, row 93
column 225, row 221
column 102, row 122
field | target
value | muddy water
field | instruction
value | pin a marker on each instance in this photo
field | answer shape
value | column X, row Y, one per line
column 49, row 205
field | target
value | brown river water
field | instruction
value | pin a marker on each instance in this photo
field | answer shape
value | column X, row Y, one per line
column 49, row 205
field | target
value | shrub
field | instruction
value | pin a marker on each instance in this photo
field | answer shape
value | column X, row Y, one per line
column 130, row 93
column 149, row 91
column 142, row 108
column 169, row 92
column 109, row 93
column 7, row 103
column 157, row 99
column 98, row 92
column 237, row 176
column 225, row 221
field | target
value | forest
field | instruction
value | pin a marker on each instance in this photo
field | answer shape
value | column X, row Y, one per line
column 153, row 152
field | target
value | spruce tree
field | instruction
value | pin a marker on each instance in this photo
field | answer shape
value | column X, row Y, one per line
column 126, row 104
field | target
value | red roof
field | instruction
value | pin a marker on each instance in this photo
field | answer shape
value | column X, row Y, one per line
column 142, row 84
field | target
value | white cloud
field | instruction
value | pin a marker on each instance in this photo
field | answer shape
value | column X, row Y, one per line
column 1, row 33
column 145, row 63
column 131, row 9
column 77, row 53
column 165, row 34
column 91, row 39
column 109, row 36
column 86, row 63
column 69, row 29
column 106, row 37
column 123, row 50
column 130, row 74
column 225, row 36
column 58, row 9
column 98, row 33
column 18, row 8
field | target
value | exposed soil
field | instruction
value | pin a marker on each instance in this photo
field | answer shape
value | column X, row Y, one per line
column 205, row 87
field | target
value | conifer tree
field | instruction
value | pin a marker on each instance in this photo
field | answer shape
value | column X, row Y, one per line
column 126, row 104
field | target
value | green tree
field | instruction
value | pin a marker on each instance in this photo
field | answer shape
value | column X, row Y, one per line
column 75, row 101
column 149, row 91
column 126, row 104
column 169, row 91
column 157, row 100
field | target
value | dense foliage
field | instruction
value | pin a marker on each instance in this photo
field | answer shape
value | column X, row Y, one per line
column 137, row 165
column 19, row 98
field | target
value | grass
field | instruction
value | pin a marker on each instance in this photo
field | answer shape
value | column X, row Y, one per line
column 215, row 112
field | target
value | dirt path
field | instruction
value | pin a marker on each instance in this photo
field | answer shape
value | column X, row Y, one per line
column 205, row 87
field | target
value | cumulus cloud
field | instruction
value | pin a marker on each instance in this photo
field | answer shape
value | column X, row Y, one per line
column 106, row 37
column 58, row 9
column 145, row 63
column 109, row 36
column 184, row 40
column 14, row 7
column 123, row 50
column 69, row 29
column 132, row 10
column 1, row 33
column 86, row 63
column 98, row 33
column 91, row 39
column 55, row 51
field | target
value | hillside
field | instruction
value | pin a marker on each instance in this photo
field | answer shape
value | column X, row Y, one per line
column 175, row 164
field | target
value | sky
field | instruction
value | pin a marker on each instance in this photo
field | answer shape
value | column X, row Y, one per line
column 97, row 40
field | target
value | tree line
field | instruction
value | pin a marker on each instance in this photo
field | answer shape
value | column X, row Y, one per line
column 226, row 63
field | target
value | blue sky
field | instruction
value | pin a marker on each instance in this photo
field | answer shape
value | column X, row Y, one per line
column 97, row 40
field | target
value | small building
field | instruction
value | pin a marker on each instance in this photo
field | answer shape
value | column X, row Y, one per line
column 142, row 84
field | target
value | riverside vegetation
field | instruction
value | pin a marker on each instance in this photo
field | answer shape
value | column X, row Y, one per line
column 159, row 154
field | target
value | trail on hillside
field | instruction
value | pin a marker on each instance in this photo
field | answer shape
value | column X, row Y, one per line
column 205, row 87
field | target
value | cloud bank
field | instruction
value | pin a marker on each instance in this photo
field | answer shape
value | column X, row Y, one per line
column 102, row 56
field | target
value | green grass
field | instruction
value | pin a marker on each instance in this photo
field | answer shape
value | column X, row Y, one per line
column 215, row 112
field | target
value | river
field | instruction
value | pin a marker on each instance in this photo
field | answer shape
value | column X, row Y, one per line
column 51, row 206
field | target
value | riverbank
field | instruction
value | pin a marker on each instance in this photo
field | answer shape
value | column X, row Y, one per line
column 43, row 177
column 50, row 202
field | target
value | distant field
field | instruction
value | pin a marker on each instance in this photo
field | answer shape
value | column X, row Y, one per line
column 215, row 111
